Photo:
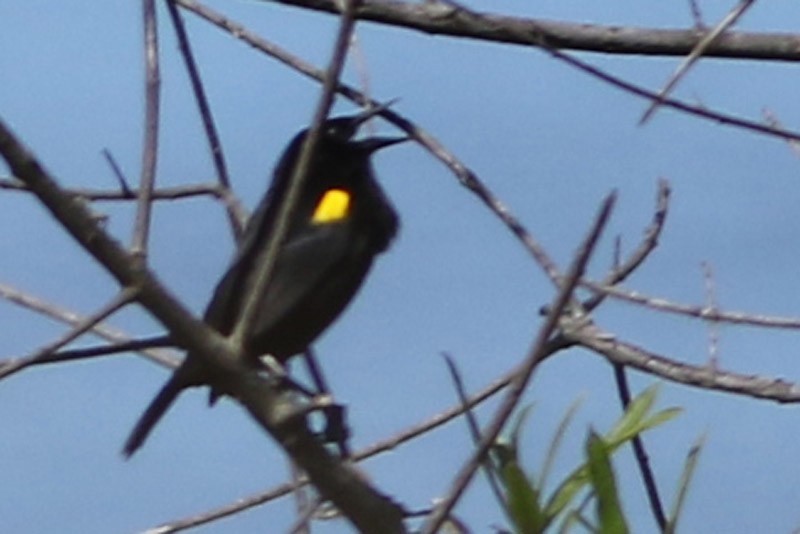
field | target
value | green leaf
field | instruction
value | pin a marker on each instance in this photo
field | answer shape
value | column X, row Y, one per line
column 506, row 447
column 524, row 507
column 637, row 418
column 523, row 504
column 566, row 491
column 689, row 467
column 555, row 443
column 633, row 422
column 601, row 474
column 634, row 415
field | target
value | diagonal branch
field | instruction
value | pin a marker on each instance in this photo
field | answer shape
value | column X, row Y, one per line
column 475, row 430
column 640, row 253
column 385, row 445
column 697, row 111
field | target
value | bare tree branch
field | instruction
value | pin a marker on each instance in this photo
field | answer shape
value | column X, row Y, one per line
column 474, row 430
column 646, row 246
column 637, row 442
column 63, row 315
column 464, row 174
column 711, row 302
column 380, row 447
column 701, row 311
column 448, row 18
column 707, row 377
column 108, row 195
column 85, row 325
column 117, row 171
column 698, row 111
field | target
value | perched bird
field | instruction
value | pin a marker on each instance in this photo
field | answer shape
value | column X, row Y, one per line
column 342, row 220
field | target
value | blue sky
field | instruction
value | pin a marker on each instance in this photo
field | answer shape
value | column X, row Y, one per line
column 548, row 140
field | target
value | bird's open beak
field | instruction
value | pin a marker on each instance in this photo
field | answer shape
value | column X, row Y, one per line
column 373, row 144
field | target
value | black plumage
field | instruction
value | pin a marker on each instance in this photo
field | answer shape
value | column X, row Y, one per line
column 343, row 219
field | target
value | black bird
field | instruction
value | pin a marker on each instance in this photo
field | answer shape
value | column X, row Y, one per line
column 342, row 221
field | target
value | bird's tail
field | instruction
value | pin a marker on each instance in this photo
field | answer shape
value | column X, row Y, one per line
column 153, row 414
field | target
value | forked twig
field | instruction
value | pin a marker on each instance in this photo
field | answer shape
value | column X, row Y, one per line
column 124, row 297
column 648, row 244
column 104, row 331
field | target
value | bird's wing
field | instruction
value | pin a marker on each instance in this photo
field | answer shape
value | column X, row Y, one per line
column 307, row 260
column 316, row 267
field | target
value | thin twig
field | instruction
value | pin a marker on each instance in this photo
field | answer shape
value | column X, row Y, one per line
column 112, row 195
column 117, row 172
column 701, row 312
column 697, row 14
column 640, row 453
column 474, row 429
column 648, row 244
column 552, row 347
column 697, row 52
column 152, row 91
column 698, row 111
column 104, row 331
column 140, row 345
column 236, row 214
column 711, row 303
column 519, row 383
column 637, row 443
column 124, row 297
column 772, row 119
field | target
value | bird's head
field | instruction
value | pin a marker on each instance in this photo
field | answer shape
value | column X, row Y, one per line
column 344, row 129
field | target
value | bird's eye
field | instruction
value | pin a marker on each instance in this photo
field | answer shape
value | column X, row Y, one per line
column 341, row 128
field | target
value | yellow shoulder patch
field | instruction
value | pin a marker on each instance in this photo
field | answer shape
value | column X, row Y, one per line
column 334, row 206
